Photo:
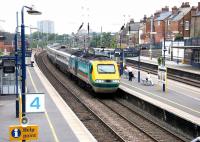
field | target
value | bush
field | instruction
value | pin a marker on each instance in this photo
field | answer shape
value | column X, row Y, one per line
column 160, row 61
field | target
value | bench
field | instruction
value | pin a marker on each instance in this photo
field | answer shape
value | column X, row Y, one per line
column 147, row 82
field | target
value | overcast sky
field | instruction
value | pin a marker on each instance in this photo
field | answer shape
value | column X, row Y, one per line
column 69, row 14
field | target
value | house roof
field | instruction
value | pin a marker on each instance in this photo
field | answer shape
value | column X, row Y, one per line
column 180, row 13
column 197, row 14
column 163, row 16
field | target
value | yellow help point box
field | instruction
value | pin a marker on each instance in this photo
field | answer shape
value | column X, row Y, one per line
column 19, row 132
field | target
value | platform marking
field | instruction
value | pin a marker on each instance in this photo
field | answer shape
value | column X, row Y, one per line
column 176, row 111
column 183, row 86
column 79, row 130
column 195, row 98
column 46, row 114
column 163, row 98
column 179, row 85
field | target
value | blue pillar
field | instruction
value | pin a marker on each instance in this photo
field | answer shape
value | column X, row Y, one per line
column 16, row 68
column 121, row 61
column 23, row 64
column 139, row 66
column 16, row 76
column 164, row 58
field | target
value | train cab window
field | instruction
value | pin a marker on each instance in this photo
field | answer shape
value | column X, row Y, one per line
column 102, row 68
column 91, row 69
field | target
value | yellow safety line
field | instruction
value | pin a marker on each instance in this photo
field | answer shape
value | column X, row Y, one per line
column 20, row 107
column 35, row 88
column 46, row 114
column 163, row 98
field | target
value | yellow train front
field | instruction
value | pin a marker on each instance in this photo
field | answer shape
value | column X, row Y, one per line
column 100, row 72
column 104, row 76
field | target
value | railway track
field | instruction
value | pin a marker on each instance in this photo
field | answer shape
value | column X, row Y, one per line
column 185, row 80
column 119, row 121
column 101, row 133
column 144, row 123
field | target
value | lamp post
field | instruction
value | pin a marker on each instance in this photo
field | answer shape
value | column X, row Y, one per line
column 164, row 55
column 139, row 65
column 121, row 52
column 16, row 67
column 150, row 50
column 31, row 38
column 23, row 62
column 139, row 51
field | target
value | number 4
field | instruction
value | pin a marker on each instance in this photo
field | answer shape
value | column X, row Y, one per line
column 35, row 103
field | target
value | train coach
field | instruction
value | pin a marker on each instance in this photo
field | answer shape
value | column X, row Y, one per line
column 100, row 72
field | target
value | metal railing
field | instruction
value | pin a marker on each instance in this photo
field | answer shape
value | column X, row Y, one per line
column 192, row 41
column 7, row 83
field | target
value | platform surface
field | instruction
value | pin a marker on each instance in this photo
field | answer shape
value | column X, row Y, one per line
column 180, row 99
column 57, row 124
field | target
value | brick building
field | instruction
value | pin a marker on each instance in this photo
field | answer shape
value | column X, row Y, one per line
column 161, row 25
column 147, row 29
column 195, row 22
column 180, row 20
column 5, row 46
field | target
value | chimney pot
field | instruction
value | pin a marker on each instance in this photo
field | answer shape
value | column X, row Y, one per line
column 165, row 9
column 174, row 9
column 198, row 6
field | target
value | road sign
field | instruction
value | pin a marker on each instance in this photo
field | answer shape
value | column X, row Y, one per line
column 35, row 102
column 19, row 132
column 8, row 66
column 117, row 54
column 27, row 53
column 131, row 53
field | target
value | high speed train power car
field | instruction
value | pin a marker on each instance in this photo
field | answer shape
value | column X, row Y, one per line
column 100, row 72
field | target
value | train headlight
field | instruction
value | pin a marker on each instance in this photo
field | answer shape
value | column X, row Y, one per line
column 116, row 81
column 99, row 81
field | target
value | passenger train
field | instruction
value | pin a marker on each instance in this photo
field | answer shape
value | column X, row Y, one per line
column 99, row 72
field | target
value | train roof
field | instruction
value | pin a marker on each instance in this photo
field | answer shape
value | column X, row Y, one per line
column 83, row 53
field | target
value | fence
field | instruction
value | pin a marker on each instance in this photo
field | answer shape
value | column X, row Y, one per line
column 154, row 46
column 192, row 41
column 7, row 83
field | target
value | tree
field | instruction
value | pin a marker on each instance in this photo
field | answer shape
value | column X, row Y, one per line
column 178, row 36
column 114, row 42
column 104, row 39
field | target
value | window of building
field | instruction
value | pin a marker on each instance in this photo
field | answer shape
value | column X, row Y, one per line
column 197, row 57
column 169, row 22
column 187, row 25
column 158, row 23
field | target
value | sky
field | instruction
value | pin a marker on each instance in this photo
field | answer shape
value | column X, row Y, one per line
column 69, row 14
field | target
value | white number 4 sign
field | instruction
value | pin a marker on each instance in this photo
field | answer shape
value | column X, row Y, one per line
column 35, row 103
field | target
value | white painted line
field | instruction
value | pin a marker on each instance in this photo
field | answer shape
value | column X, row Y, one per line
column 34, row 86
column 180, row 113
column 81, row 132
column 163, row 98
column 46, row 114
column 189, row 96
column 182, row 86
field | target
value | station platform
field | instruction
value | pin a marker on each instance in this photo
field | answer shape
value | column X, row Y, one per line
column 170, row 64
column 179, row 99
column 57, row 124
